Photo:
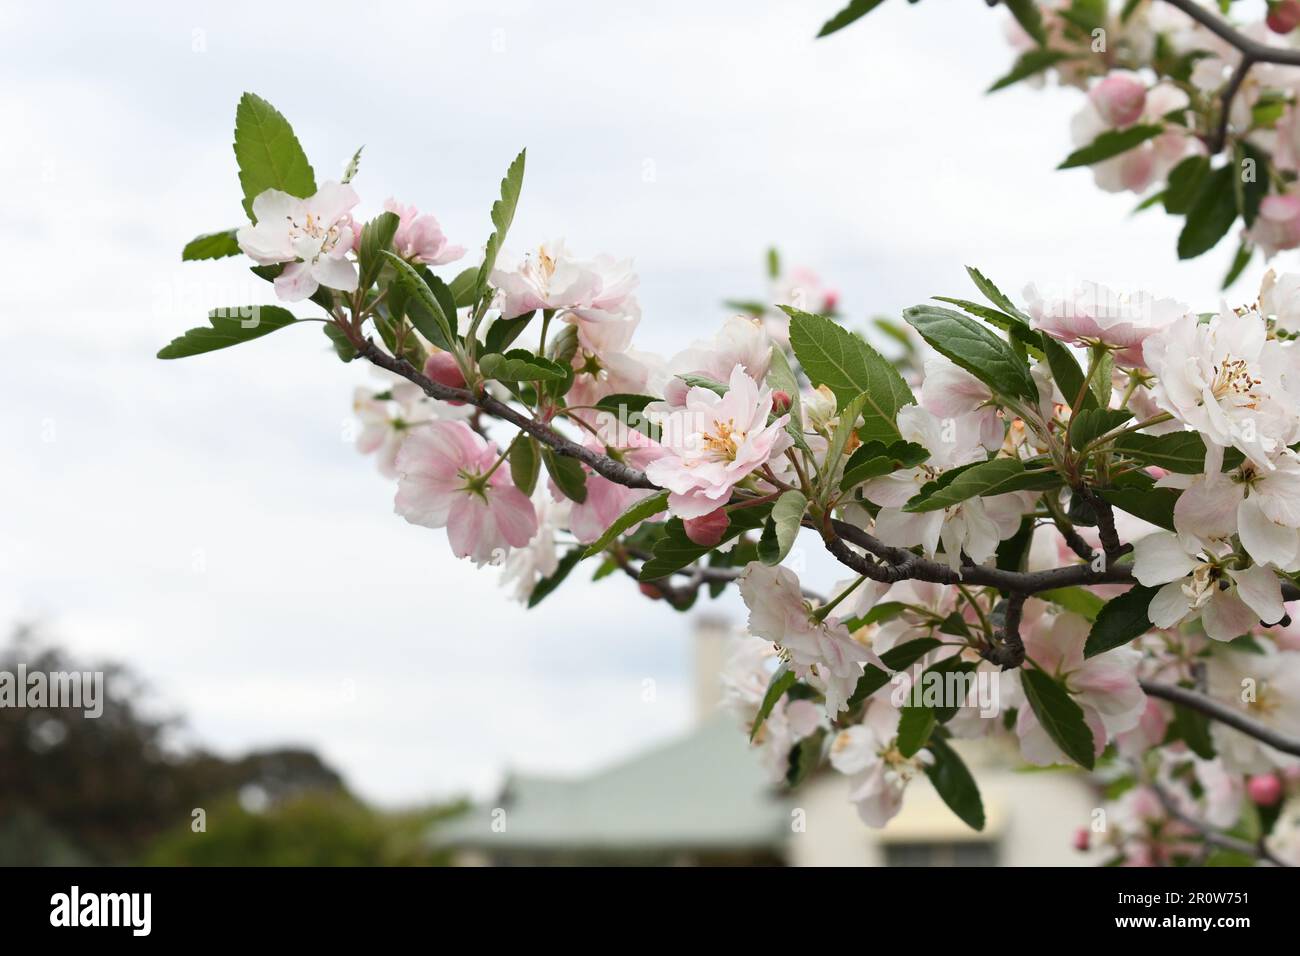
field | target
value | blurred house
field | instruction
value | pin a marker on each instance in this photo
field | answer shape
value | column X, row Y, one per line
column 702, row 799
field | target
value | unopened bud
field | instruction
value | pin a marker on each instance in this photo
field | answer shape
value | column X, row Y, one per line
column 780, row 402
column 1264, row 789
column 442, row 368
column 1283, row 16
column 708, row 530
column 1119, row 99
column 651, row 591
column 1082, row 839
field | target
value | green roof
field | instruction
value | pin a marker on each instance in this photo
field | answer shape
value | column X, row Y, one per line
column 705, row 790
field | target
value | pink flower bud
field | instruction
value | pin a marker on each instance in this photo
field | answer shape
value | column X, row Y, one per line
column 780, row 402
column 1283, row 16
column 1082, row 839
column 442, row 368
column 707, row 531
column 1119, row 99
column 651, row 591
column 1265, row 789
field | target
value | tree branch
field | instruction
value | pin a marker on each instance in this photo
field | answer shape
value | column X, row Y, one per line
column 1223, row 714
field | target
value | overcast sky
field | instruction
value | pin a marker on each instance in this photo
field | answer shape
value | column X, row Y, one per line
column 207, row 521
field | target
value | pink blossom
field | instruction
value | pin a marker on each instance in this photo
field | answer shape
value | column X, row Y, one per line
column 1119, row 98
column 419, row 238
column 1264, row 789
column 313, row 236
column 1277, row 226
column 707, row 531
column 716, row 441
column 606, row 499
column 1095, row 315
column 443, row 482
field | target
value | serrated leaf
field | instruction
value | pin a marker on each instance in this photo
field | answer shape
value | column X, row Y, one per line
column 424, row 308
column 228, row 327
column 1111, row 143
column 1076, row 600
column 896, row 659
column 996, row 295
column 376, row 238
column 995, row 477
column 1091, row 423
column 525, row 464
column 503, row 332
column 353, row 165
column 954, row 784
column 1059, row 715
column 552, row 581
column 782, row 527
column 503, row 214
column 1180, row 452
column 849, row 367
column 1120, row 621
column 854, row 11
column 343, row 347
column 635, row 513
column 875, row 459
column 520, row 365
column 569, row 475
column 268, row 153
column 914, row 727
column 212, row 245
column 974, row 348
column 464, row 288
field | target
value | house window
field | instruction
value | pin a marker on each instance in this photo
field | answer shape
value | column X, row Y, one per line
column 965, row 853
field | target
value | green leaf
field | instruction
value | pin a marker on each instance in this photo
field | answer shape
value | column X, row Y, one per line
column 781, row 378
column 782, row 680
column 781, row 527
column 954, row 784
column 849, row 367
column 552, row 581
column 525, row 464
column 675, row 551
column 1239, row 262
column 848, row 417
column 424, row 310
column 343, row 348
column 1193, row 728
column 1111, row 143
column 1185, row 181
column 353, row 165
column 1029, row 64
column 503, row 214
column 1211, row 214
column 914, row 727
column 1060, row 716
column 1092, row 423
column 503, row 332
column 974, row 348
column 520, row 365
column 701, row 381
column 635, row 513
column 1250, row 192
column 884, row 611
column 212, row 245
column 1066, row 371
column 1120, row 621
column 229, row 327
column 1102, row 378
column 996, row 295
column 1180, row 452
column 995, row 477
column 268, row 153
column 1013, row 552
column 875, row 459
column 464, row 288
column 804, row 758
column 896, row 659
column 854, row 11
column 376, row 237
column 1155, row 505
column 1077, row 600
column 1029, row 17
column 569, row 475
